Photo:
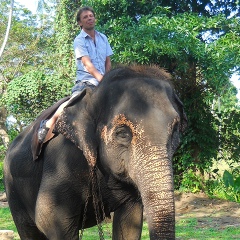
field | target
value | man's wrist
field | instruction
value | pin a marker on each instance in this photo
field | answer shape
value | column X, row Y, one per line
column 100, row 77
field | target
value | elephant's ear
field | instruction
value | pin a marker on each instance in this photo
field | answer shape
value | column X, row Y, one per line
column 183, row 116
column 76, row 124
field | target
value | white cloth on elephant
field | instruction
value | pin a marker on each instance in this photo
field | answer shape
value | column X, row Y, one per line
column 97, row 51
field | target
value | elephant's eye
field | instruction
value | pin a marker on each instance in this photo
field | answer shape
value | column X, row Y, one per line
column 123, row 134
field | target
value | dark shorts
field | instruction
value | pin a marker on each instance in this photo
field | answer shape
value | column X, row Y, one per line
column 80, row 86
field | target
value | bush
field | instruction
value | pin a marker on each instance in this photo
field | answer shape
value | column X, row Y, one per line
column 232, row 184
column 2, row 152
column 191, row 182
column 224, row 186
column 215, row 189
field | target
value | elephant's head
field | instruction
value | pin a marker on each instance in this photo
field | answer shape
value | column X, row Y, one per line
column 133, row 121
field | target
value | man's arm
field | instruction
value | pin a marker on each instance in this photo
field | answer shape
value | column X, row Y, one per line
column 91, row 69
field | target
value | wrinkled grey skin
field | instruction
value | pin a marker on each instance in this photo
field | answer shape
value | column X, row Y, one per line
column 129, row 128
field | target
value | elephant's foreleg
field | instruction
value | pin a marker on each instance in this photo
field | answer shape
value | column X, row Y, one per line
column 57, row 222
column 128, row 221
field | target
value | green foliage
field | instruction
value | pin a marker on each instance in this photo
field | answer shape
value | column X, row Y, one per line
column 2, row 152
column 33, row 92
column 66, row 29
column 222, row 186
column 136, row 9
column 27, row 50
column 200, row 53
column 225, row 185
column 232, row 183
column 27, row 45
column 228, row 127
column 214, row 188
column 191, row 182
column 12, row 132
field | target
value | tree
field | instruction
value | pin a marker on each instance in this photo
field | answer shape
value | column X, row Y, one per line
column 29, row 49
column 27, row 94
column 111, row 9
column 199, row 46
column 66, row 30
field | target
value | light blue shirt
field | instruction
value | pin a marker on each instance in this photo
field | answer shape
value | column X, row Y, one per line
column 98, row 51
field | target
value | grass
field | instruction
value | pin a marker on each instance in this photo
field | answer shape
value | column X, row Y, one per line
column 190, row 228
column 6, row 222
column 186, row 229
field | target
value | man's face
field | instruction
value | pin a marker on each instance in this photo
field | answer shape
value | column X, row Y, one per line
column 87, row 20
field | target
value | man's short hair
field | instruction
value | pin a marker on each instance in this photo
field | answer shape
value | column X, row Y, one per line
column 81, row 10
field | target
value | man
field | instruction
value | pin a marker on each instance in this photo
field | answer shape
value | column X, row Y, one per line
column 92, row 52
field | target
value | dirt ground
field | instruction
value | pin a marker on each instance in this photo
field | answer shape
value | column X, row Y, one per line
column 222, row 213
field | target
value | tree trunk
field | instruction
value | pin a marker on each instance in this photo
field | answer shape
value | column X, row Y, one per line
column 8, row 29
column 3, row 113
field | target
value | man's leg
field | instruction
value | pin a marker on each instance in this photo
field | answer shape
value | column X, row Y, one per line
column 48, row 124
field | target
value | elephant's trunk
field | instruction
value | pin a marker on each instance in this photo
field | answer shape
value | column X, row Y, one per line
column 155, row 182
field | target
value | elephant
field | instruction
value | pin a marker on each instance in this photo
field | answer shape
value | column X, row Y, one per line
column 111, row 156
